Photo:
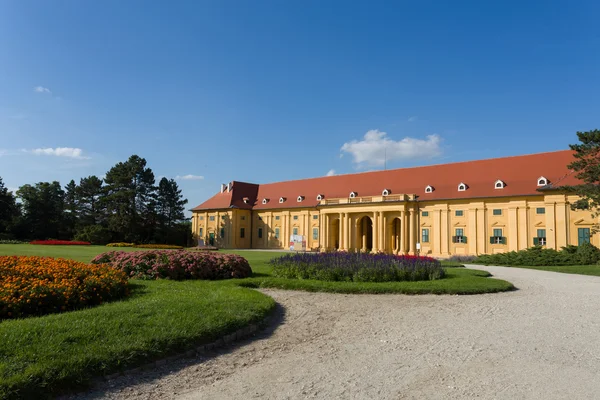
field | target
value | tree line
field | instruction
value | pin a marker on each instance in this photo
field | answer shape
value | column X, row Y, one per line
column 125, row 206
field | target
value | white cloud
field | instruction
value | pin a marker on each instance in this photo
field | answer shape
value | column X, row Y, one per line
column 69, row 152
column 189, row 177
column 376, row 147
column 41, row 89
column 413, row 118
column 331, row 172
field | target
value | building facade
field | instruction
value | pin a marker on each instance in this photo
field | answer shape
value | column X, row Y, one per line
column 475, row 207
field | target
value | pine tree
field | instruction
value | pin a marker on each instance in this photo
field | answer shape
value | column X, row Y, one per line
column 170, row 207
column 9, row 211
column 587, row 169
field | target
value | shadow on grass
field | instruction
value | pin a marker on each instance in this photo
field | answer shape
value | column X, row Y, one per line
column 266, row 329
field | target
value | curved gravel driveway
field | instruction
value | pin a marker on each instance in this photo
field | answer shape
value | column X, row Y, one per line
column 540, row 342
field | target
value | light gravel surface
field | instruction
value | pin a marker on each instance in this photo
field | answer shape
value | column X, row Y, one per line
column 540, row 342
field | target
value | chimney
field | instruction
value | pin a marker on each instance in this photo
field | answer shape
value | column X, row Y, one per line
column 223, row 186
column 229, row 186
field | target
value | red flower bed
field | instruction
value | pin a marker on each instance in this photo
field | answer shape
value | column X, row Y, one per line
column 60, row 242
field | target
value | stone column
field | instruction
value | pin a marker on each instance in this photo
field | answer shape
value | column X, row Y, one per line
column 561, row 225
column 342, row 236
column 382, row 231
column 375, row 234
column 482, row 238
column 346, row 232
column 444, row 232
column 404, row 233
column 550, row 227
column 437, row 232
column 413, row 222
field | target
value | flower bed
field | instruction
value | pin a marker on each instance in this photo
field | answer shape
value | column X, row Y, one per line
column 357, row 267
column 44, row 285
column 178, row 265
column 158, row 246
column 120, row 244
column 60, row 242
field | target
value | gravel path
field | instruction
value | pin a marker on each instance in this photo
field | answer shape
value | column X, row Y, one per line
column 540, row 342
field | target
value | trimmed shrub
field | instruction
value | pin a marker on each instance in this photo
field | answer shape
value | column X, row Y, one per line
column 538, row 256
column 95, row 234
column 120, row 244
column 176, row 264
column 60, row 242
column 12, row 242
column 356, row 267
column 43, row 285
column 158, row 246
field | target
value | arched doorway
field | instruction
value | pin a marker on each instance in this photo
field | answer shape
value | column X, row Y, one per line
column 334, row 234
column 364, row 234
column 395, row 233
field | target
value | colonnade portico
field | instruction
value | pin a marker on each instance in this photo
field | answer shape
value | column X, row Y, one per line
column 393, row 231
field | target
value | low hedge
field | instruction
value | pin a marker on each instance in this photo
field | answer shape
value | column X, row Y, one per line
column 5, row 241
column 120, row 244
column 585, row 254
column 43, row 285
column 176, row 264
column 158, row 246
column 60, row 242
column 356, row 267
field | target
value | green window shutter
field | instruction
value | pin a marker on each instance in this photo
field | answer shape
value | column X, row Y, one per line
column 491, row 240
column 536, row 241
column 453, row 239
column 503, row 240
column 464, row 239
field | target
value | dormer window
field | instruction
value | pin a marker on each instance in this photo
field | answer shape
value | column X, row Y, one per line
column 353, row 195
column 462, row 187
column 299, row 199
column 246, row 200
column 499, row 184
column 320, row 197
column 281, row 200
column 265, row 201
column 542, row 181
column 386, row 192
column 429, row 189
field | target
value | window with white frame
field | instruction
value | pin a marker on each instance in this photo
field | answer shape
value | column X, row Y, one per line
column 459, row 235
column 429, row 189
column 542, row 181
column 499, row 184
column 320, row 197
column 540, row 239
column 385, row 192
column 498, row 238
column 281, row 199
column 462, row 187
column 300, row 198
column 265, row 201
column 352, row 195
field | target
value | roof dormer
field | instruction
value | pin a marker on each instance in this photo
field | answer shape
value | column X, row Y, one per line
column 462, row 187
column 265, row 201
column 282, row 199
column 542, row 181
column 320, row 197
column 386, row 192
column 429, row 189
column 499, row 184
column 246, row 200
column 299, row 199
column 352, row 195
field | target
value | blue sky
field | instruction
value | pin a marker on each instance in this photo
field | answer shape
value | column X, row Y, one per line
column 263, row 91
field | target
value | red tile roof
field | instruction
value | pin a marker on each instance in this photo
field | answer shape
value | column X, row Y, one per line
column 519, row 174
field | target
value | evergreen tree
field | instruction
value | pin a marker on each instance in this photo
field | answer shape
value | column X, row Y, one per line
column 587, row 168
column 170, row 208
column 71, row 208
column 43, row 207
column 130, row 198
column 91, row 208
column 9, row 211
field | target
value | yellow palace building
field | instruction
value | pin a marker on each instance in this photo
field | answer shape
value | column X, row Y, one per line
column 474, row 207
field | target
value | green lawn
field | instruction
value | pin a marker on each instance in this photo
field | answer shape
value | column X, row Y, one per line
column 42, row 355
